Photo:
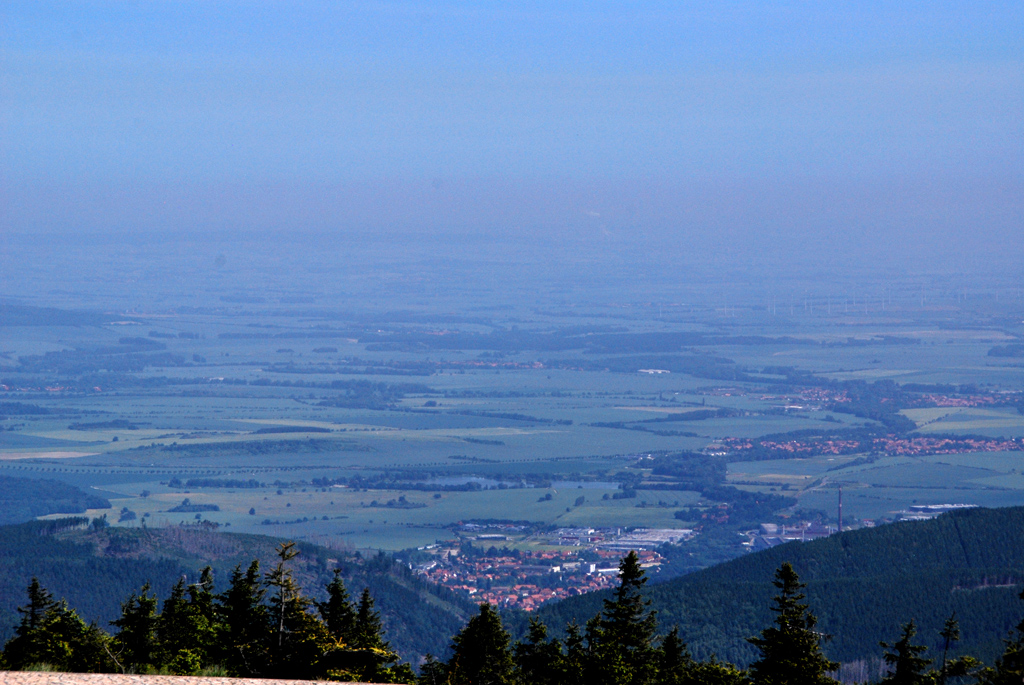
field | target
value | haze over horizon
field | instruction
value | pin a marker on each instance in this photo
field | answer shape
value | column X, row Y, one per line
column 496, row 311
column 857, row 135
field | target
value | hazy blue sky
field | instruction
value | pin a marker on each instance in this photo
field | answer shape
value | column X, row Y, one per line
column 641, row 116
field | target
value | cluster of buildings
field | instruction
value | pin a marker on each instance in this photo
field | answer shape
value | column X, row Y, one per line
column 47, row 388
column 889, row 445
column 966, row 400
column 913, row 446
column 810, row 395
column 923, row 512
column 772, row 534
column 646, row 539
column 505, row 528
column 809, row 447
column 614, row 539
column 528, row 579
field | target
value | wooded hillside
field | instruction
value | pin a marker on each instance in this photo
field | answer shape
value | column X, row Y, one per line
column 95, row 568
column 862, row 584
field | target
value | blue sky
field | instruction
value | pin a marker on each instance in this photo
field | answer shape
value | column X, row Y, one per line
column 201, row 104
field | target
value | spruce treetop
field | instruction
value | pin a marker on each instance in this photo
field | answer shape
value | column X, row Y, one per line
column 791, row 649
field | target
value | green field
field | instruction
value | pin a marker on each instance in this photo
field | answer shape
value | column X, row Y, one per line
column 890, row 484
column 415, row 382
column 993, row 422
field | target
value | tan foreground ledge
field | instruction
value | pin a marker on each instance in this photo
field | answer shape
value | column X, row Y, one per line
column 49, row 678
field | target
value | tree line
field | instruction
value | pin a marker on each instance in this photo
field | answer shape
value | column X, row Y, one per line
column 263, row 626
column 862, row 584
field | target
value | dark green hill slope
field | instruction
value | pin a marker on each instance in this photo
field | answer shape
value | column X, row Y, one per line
column 23, row 499
column 861, row 584
column 96, row 569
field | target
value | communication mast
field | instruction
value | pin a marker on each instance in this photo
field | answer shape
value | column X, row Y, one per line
column 840, row 509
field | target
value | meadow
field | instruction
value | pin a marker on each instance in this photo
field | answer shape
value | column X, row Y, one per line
column 331, row 407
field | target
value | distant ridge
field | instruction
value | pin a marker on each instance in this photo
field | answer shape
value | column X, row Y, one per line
column 862, row 585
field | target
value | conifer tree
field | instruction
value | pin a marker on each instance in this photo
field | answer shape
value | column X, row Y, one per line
column 243, row 624
column 674, row 660
column 950, row 634
column 174, row 627
column 623, row 638
column 337, row 612
column 960, row 667
column 677, row 667
column 184, row 627
column 90, row 647
column 27, row 646
column 539, row 659
column 366, row 633
column 51, row 633
column 285, row 591
column 40, row 600
column 574, row 663
column 432, row 672
column 135, row 642
column 300, row 639
column 68, row 643
column 906, row 659
column 366, row 655
column 714, row 672
column 201, row 604
column 1009, row 667
column 480, row 652
column 790, row 649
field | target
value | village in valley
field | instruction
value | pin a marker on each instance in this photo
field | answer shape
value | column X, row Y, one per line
column 573, row 561
column 566, row 561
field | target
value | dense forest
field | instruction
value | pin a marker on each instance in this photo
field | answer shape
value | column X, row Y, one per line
column 95, row 567
column 262, row 625
column 863, row 584
column 23, row 499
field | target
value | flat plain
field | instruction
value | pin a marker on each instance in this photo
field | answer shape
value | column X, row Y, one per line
column 387, row 418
